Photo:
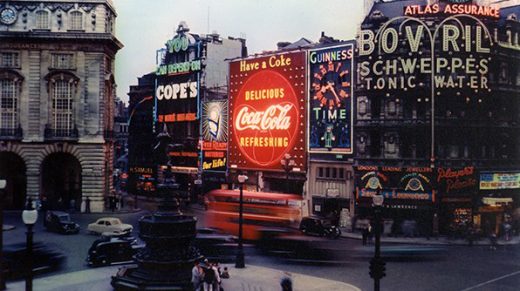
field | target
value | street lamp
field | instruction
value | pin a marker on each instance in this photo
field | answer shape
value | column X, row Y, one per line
column 377, row 265
column 29, row 217
column 240, row 254
column 287, row 164
column 3, row 183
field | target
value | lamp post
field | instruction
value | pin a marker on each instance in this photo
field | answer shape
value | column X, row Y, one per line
column 29, row 217
column 287, row 164
column 240, row 254
column 3, row 183
column 377, row 265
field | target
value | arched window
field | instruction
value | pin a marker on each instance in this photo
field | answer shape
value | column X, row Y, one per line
column 9, row 103
column 76, row 20
column 42, row 19
column 62, row 89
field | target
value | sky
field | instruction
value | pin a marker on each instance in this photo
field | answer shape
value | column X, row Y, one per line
column 144, row 26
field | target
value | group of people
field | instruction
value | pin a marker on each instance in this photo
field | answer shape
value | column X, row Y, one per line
column 207, row 276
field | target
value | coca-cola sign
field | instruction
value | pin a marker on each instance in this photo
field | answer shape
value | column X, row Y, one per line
column 267, row 111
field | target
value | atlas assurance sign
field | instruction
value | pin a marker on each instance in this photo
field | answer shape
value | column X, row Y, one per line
column 267, row 107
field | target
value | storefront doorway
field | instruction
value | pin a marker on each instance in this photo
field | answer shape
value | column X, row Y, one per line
column 61, row 182
column 12, row 169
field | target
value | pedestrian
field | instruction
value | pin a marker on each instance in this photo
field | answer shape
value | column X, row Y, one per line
column 217, row 282
column 197, row 275
column 493, row 241
column 225, row 273
column 364, row 234
column 210, row 276
column 286, row 284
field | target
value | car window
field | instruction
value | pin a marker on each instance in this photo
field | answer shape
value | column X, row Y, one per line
column 64, row 218
column 101, row 222
column 107, row 223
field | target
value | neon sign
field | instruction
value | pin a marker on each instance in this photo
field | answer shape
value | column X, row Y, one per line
column 267, row 106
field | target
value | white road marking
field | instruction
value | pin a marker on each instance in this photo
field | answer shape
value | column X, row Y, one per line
column 491, row 281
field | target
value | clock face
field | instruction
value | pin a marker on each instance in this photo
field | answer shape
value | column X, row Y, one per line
column 330, row 86
column 8, row 15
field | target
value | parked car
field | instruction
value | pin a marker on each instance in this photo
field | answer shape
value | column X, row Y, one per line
column 214, row 244
column 109, row 224
column 106, row 251
column 45, row 258
column 320, row 226
column 58, row 221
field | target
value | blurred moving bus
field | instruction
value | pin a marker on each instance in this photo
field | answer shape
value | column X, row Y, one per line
column 262, row 210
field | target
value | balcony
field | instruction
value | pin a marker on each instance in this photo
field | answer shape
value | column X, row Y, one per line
column 11, row 133
column 55, row 134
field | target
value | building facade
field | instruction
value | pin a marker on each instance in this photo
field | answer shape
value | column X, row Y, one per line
column 57, row 101
column 186, row 93
column 437, row 114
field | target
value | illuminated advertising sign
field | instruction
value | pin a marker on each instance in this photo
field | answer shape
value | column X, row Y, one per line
column 492, row 181
column 215, row 135
column 330, row 99
column 413, row 183
column 452, row 9
column 267, row 111
column 452, row 55
column 460, row 181
column 177, row 94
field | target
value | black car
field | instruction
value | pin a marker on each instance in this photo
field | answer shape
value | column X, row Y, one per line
column 44, row 259
column 58, row 221
column 215, row 244
column 108, row 251
column 321, row 226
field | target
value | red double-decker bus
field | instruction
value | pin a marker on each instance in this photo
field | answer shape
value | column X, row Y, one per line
column 261, row 210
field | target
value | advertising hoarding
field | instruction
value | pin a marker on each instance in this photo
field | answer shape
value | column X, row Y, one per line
column 330, row 99
column 267, row 111
column 214, row 135
column 492, row 181
column 177, row 94
column 412, row 183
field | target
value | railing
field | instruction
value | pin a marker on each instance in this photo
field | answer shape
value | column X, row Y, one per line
column 11, row 133
column 60, row 133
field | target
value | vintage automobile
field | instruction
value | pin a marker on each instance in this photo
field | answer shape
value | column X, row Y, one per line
column 58, row 221
column 320, row 226
column 106, row 251
column 109, row 224
column 45, row 258
column 214, row 244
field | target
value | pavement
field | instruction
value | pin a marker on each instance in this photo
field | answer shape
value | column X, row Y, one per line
column 251, row 278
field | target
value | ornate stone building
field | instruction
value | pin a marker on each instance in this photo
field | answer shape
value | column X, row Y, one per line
column 57, row 94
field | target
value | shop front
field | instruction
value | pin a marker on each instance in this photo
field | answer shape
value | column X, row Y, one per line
column 410, row 198
column 499, row 200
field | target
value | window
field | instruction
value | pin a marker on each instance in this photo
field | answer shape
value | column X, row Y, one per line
column 42, row 19
column 8, row 104
column 62, row 107
column 76, row 20
column 331, row 173
column 62, row 61
column 10, row 60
